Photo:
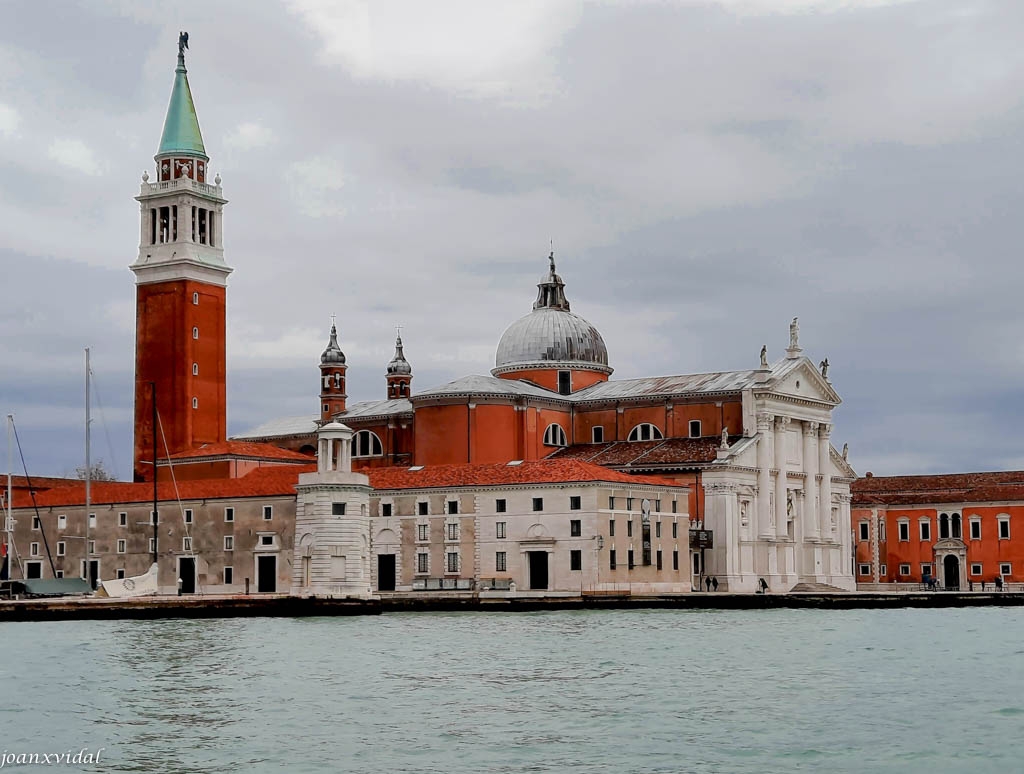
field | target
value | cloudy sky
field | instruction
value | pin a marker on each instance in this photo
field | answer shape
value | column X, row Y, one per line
column 707, row 169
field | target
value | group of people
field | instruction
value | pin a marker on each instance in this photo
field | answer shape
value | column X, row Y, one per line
column 711, row 583
column 997, row 582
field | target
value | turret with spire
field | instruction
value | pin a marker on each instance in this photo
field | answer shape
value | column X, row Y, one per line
column 399, row 375
column 332, row 377
column 551, row 289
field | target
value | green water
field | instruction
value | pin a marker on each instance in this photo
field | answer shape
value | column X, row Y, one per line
column 577, row 691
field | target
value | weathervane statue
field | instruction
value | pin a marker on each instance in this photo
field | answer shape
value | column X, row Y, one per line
column 182, row 43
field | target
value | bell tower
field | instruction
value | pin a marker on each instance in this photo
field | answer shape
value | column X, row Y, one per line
column 399, row 375
column 181, row 278
column 332, row 377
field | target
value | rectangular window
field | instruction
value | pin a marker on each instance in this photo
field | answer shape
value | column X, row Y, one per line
column 499, row 529
column 92, row 521
column 453, row 506
column 60, row 574
column 564, row 382
column 629, row 528
column 421, row 508
column 975, row 569
column 675, row 530
column 186, row 544
column 675, row 560
column 597, row 434
column 675, row 506
column 499, row 506
column 629, row 559
column 60, row 548
column 453, row 561
column 575, row 561
column 453, row 530
column 629, row 503
column 422, row 532
column 611, row 503
column 926, row 530
column 695, row 428
column 611, row 527
column 153, row 546
column 658, row 559
column 696, row 564
column 422, row 560
column 62, row 522
column 33, row 549
column 266, row 540
column 904, row 569
column 122, row 519
column 657, row 529
column 657, row 506
column 35, row 522
column 926, row 570
column 188, row 515
column 92, row 546
column 120, row 573
column 229, row 514
column 338, row 509
column 122, row 546
column 500, row 561
column 1005, row 569
column 268, row 512
column 864, row 569
column 881, row 530
column 975, row 529
column 154, row 517
column 904, row 530
column 1004, row 529
column 229, row 543
column 575, row 503
column 575, row 528
column 611, row 559
column 385, row 510
column 863, row 530
column 538, row 503
column 229, row 576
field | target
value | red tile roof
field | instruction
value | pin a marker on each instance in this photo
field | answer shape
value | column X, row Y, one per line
column 672, row 452
column 547, row 471
column 246, row 449
column 998, row 486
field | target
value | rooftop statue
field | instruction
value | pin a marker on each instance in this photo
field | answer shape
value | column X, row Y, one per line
column 823, row 365
column 764, row 356
column 182, row 43
column 794, row 334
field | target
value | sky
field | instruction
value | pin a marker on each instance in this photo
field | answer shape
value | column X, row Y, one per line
column 705, row 169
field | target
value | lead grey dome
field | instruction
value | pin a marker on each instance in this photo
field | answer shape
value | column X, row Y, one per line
column 551, row 335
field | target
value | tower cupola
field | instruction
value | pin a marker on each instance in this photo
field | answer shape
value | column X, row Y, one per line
column 332, row 377
column 399, row 374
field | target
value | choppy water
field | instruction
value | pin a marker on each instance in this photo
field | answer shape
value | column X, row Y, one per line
column 579, row 691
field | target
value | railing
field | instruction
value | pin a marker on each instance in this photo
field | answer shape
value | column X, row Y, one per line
column 443, row 584
column 182, row 183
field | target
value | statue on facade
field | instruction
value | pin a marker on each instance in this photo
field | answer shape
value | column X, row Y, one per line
column 789, row 504
column 823, row 365
column 764, row 356
column 794, row 334
column 846, row 451
column 725, row 438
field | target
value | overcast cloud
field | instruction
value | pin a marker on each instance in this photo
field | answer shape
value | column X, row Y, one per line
column 707, row 171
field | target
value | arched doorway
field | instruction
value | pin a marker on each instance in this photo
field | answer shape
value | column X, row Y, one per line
column 951, row 572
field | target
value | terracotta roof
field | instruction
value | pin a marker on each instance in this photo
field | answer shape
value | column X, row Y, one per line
column 249, row 450
column 995, row 486
column 39, row 483
column 263, row 482
column 681, row 452
column 547, row 471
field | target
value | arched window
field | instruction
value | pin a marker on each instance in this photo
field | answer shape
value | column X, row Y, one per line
column 195, row 299
column 943, row 526
column 645, row 432
column 195, row 333
column 956, row 525
column 195, row 369
column 195, row 403
column 365, row 443
column 555, row 436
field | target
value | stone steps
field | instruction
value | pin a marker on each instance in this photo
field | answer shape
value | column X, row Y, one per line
column 817, row 588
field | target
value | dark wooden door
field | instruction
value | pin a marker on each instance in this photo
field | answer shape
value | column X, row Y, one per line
column 187, row 573
column 538, row 569
column 266, row 569
column 385, row 572
column 951, row 566
column 94, row 573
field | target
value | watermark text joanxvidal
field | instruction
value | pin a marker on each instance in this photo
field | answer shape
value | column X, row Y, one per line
column 68, row 758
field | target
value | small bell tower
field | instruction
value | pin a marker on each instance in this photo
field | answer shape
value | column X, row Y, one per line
column 399, row 376
column 332, row 377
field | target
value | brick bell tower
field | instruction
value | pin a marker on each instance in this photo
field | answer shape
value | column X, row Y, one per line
column 332, row 377
column 180, row 300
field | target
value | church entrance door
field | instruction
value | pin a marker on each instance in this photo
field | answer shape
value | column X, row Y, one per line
column 951, row 573
column 538, row 569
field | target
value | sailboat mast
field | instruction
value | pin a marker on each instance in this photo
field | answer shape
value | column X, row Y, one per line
column 9, row 519
column 88, row 472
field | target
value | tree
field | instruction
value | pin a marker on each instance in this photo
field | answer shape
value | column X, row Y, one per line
column 97, row 472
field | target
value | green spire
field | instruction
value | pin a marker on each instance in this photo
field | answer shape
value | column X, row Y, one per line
column 181, row 127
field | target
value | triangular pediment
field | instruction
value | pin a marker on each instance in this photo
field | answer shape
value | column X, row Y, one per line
column 799, row 378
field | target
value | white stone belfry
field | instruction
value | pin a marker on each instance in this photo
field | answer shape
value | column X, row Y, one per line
column 332, row 522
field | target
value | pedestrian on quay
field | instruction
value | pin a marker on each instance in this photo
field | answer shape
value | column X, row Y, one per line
column 707, row 583
column 714, row 583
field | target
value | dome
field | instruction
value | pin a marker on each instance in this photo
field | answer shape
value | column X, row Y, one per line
column 551, row 335
column 399, row 366
column 333, row 353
